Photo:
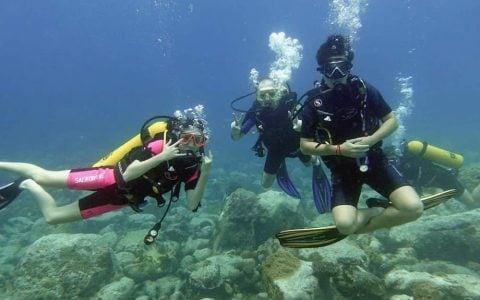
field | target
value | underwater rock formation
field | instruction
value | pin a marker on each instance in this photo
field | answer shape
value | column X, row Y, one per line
column 440, row 237
column 64, row 266
column 248, row 220
column 287, row 277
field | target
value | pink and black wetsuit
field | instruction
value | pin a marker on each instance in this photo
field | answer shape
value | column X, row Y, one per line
column 112, row 192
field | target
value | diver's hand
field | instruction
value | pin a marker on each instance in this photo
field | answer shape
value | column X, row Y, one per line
column 352, row 148
column 364, row 140
column 171, row 151
column 234, row 126
column 235, row 129
column 297, row 124
column 237, row 120
column 206, row 162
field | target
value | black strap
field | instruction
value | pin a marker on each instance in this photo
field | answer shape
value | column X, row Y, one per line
column 424, row 148
column 153, row 232
column 145, row 134
column 238, row 99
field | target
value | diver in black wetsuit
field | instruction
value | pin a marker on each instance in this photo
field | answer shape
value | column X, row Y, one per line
column 423, row 173
column 271, row 114
column 344, row 121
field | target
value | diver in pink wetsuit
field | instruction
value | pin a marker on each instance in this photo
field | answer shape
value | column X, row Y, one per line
column 147, row 171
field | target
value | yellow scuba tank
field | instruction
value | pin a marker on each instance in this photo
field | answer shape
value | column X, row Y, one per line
column 113, row 157
column 435, row 154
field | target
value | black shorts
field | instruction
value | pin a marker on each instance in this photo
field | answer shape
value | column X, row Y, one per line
column 101, row 201
column 347, row 181
column 275, row 158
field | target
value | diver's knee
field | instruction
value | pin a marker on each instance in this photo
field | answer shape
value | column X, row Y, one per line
column 28, row 184
column 346, row 226
column 267, row 180
column 37, row 175
column 53, row 221
column 50, row 220
column 413, row 211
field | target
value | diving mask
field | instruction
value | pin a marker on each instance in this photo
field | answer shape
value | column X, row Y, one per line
column 336, row 68
column 267, row 97
column 197, row 139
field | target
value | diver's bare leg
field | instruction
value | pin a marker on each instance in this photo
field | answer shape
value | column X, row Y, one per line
column 349, row 219
column 38, row 174
column 476, row 195
column 467, row 198
column 406, row 207
column 52, row 213
column 267, row 180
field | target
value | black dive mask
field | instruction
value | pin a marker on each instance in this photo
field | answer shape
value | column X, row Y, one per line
column 336, row 69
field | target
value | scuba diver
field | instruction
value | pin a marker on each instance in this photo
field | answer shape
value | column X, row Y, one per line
column 156, row 167
column 427, row 166
column 271, row 113
column 344, row 120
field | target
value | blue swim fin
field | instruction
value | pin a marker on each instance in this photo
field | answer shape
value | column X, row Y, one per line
column 9, row 192
column 322, row 192
column 285, row 183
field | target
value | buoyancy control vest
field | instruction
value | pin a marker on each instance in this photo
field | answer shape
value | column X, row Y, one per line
column 274, row 125
column 342, row 111
column 159, row 180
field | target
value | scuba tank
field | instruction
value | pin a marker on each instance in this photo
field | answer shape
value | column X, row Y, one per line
column 116, row 155
column 435, row 154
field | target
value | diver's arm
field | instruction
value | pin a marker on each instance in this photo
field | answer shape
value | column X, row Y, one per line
column 388, row 126
column 310, row 147
column 195, row 196
column 347, row 148
column 138, row 168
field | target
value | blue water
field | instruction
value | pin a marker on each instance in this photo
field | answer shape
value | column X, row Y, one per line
column 84, row 75
column 78, row 78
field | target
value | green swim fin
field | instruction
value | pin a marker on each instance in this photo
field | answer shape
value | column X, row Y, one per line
column 324, row 236
column 310, row 237
column 439, row 198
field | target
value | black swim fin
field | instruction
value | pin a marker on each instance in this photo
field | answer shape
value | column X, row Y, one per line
column 285, row 183
column 322, row 193
column 324, row 236
column 428, row 201
column 9, row 192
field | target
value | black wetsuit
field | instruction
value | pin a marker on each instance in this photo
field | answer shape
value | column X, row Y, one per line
column 276, row 132
column 421, row 173
column 345, row 112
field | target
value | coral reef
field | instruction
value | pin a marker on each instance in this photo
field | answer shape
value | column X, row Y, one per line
column 233, row 255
